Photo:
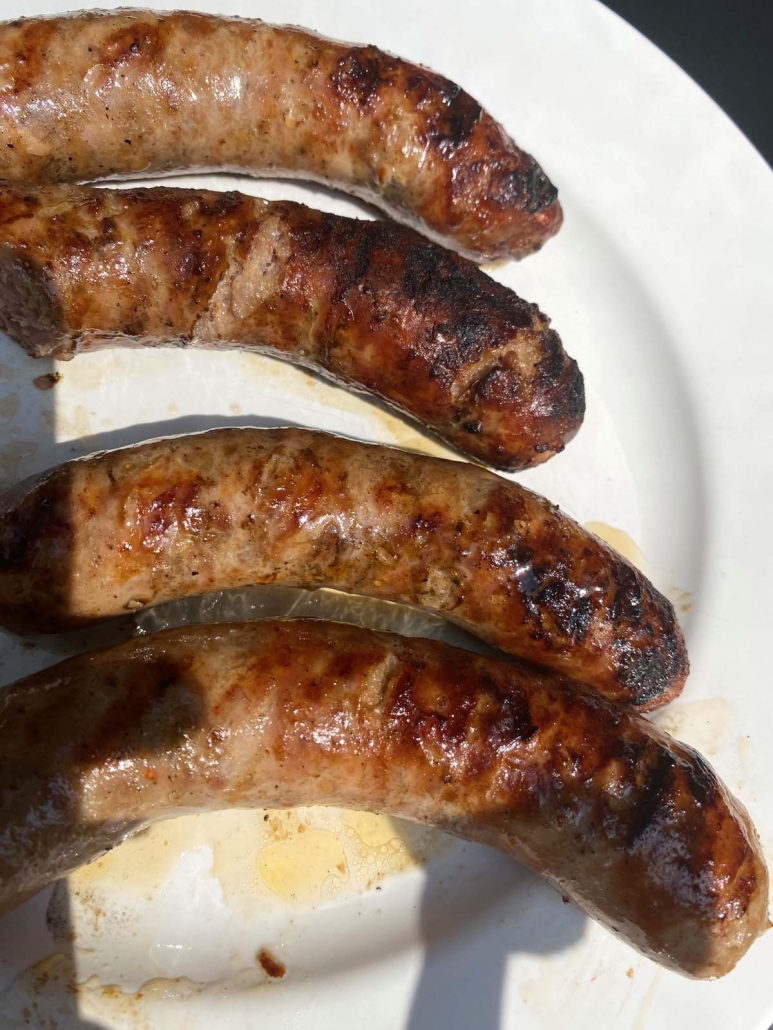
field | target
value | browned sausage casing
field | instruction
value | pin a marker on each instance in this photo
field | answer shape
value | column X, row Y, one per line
column 134, row 92
column 635, row 827
column 370, row 304
column 233, row 507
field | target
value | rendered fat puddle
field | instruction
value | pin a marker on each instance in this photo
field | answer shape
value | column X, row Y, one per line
column 302, row 856
column 259, row 880
column 624, row 544
column 620, row 540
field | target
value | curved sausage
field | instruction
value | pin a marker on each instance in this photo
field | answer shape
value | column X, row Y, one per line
column 233, row 507
column 100, row 94
column 635, row 827
column 369, row 304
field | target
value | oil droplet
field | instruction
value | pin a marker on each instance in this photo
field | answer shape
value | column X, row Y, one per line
column 380, row 846
column 373, row 830
column 299, row 867
column 163, row 988
column 620, row 540
column 92, row 872
column 236, row 837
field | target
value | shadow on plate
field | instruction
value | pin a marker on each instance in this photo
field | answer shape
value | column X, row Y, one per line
column 469, row 941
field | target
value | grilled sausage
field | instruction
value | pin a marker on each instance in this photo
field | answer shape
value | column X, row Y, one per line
column 635, row 827
column 100, row 94
column 232, row 507
column 370, row 304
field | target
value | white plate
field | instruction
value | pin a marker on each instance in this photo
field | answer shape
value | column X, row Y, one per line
column 660, row 286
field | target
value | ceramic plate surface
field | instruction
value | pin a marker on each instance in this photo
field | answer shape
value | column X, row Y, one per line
column 659, row 284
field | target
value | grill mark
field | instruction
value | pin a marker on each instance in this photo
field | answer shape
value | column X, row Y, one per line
column 361, row 74
column 463, row 723
column 655, row 794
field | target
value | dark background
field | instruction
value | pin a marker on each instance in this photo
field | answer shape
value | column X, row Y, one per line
column 725, row 45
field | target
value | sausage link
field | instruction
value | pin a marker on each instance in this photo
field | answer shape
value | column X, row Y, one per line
column 632, row 825
column 369, row 304
column 124, row 93
column 233, row 507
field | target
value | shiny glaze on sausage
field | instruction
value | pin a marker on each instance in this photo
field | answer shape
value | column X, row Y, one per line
column 369, row 304
column 232, row 507
column 632, row 825
column 125, row 93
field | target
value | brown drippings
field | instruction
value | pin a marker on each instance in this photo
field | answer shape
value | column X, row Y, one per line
column 271, row 966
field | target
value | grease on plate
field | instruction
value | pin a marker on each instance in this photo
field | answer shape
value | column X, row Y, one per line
column 620, row 541
column 302, row 856
column 706, row 724
column 249, row 875
column 304, row 867
column 624, row 544
column 281, row 375
column 49, row 995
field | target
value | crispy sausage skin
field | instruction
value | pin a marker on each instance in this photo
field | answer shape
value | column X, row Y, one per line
column 102, row 535
column 126, row 93
column 635, row 827
column 370, row 304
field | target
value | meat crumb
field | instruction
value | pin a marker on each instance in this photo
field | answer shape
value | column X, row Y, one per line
column 271, row 966
column 45, row 382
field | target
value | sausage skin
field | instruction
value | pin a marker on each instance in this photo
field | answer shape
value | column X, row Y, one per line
column 632, row 825
column 232, row 507
column 102, row 94
column 369, row 304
